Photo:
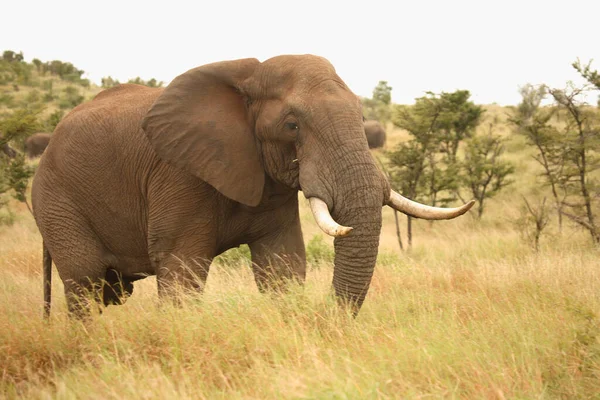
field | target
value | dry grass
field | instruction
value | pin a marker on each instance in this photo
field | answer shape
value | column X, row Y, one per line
column 470, row 312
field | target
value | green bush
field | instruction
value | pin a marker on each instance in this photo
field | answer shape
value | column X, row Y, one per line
column 7, row 99
column 47, row 85
column 236, row 257
column 48, row 97
column 53, row 120
column 84, row 83
column 70, row 98
column 318, row 251
column 33, row 97
column 15, row 173
column 108, row 82
column 150, row 83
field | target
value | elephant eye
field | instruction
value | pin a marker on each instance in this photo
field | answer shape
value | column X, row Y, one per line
column 292, row 126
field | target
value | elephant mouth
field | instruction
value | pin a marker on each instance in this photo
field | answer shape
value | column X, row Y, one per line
column 398, row 202
column 289, row 176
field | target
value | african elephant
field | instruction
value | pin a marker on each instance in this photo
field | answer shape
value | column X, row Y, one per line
column 375, row 134
column 158, row 181
column 36, row 144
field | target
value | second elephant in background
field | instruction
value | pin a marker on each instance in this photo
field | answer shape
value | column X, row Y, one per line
column 375, row 134
column 36, row 144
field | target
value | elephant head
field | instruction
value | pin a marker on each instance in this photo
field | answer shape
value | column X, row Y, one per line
column 291, row 119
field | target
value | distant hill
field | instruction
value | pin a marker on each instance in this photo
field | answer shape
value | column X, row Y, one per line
column 54, row 87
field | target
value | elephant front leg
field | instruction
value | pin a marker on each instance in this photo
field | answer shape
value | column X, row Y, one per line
column 180, row 257
column 178, row 276
column 279, row 258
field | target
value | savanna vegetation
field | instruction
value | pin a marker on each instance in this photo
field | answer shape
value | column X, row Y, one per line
column 503, row 302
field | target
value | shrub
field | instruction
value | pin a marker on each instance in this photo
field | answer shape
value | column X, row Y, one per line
column 108, row 82
column 7, row 99
column 48, row 85
column 70, row 98
column 150, row 83
column 236, row 257
column 33, row 97
column 15, row 172
column 53, row 120
column 318, row 251
column 48, row 97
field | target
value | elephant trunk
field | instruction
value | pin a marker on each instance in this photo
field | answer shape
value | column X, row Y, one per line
column 357, row 205
column 355, row 257
column 347, row 192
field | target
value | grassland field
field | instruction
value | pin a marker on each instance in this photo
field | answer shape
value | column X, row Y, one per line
column 470, row 312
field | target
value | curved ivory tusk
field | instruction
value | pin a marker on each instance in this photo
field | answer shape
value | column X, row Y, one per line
column 418, row 210
column 325, row 220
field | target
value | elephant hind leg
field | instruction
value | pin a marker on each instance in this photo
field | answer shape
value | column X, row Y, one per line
column 82, row 294
column 103, row 289
column 80, row 257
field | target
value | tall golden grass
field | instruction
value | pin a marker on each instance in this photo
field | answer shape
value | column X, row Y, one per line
column 471, row 311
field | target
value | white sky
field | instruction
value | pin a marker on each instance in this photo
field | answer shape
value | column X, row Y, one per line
column 487, row 47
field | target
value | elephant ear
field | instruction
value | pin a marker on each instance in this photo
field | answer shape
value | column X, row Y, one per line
column 200, row 124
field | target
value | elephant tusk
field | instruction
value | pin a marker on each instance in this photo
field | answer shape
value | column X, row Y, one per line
column 325, row 220
column 418, row 210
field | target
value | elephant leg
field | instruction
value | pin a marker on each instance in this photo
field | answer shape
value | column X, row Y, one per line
column 177, row 275
column 82, row 294
column 89, row 287
column 81, row 261
column 279, row 257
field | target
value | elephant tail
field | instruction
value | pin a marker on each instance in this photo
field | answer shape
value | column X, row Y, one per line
column 47, row 274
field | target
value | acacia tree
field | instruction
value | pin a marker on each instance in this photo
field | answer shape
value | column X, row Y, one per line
column 383, row 93
column 14, row 172
column 485, row 172
column 567, row 139
column 457, row 121
column 425, row 167
column 406, row 169
column 581, row 144
column 533, row 122
column 379, row 106
column 592, row 76
column 533, row 221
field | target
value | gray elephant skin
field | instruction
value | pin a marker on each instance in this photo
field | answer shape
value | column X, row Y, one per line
column 36, row 144
column 375, row 133
column 158, row 181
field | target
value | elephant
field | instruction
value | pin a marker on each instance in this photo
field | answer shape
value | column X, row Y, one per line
column 375, row 134
column 147, row 181
column 36, row 144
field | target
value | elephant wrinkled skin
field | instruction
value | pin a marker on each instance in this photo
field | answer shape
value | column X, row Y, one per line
column 150, row 181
